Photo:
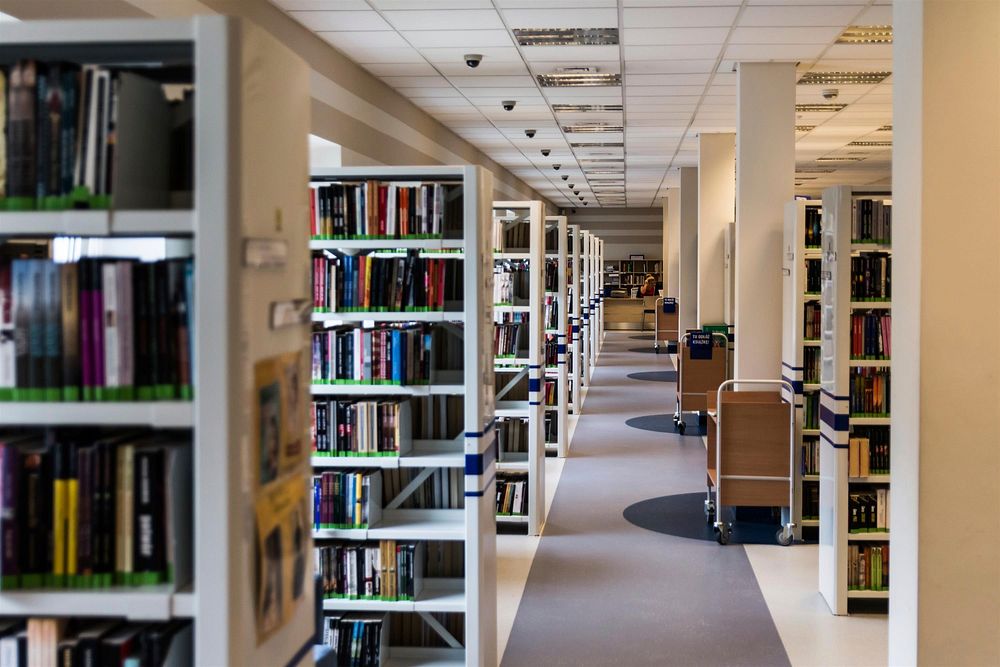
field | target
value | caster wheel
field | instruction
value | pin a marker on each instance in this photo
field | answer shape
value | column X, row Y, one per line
column 681, row 427
column 722, row 535
column 783, row 537
column 656, row 349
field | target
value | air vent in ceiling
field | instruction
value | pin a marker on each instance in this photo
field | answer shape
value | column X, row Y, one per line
column 805, row 128
column 870, row 144
column 866, row 34
column 842, row 78
column 598, row 144
column 828, row 108
column 566, row 36
column 591, row 128
column 566, row 80
column 585, row 108
column 839, row 159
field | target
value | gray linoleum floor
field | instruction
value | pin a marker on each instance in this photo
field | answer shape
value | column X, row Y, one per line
column 602, row 591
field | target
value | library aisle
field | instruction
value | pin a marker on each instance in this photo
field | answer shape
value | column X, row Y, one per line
column 603, row 591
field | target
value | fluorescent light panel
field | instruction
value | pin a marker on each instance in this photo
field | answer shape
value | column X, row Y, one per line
column 566, row 80
column 584, row 108
column 839, row 159
column 566, row 36
column 592, row 128
column 870, row 143
column 831, row 108
column 598, row 144
column 866, row 34
column 805, row 128
column 843, row 78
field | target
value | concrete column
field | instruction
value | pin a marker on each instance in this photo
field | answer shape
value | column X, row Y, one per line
column 765, row 169
column 672, row 239
column 944, row 606
column 687, row 259
column 716, row 209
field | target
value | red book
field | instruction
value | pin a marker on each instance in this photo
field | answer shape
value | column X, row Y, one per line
column 383, row 200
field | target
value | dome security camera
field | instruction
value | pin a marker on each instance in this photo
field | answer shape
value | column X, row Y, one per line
column 508, row 105
column 473, row 59
column 556, row 166
column 585, row 203
column 571, row 186
column 830, row 94
column 545, row 152
column 580, row 198
column 565, row 177
column 528, row 133
column 576, row 192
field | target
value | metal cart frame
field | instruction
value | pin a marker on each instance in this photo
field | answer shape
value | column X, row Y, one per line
column 785, row 534
column 658, row 308
column 679, row 411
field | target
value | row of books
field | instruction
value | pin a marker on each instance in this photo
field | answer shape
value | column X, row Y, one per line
column 356, row 638
column 388, row 354
column 810, row 500
column 362, row 283
column 85, row 509
column 512, row 436
column 814, row 229
column 511, row 236
column 867, row 567
column 871, row 221
column 868, row 452
column 871, row 277
column 510, row 338
column 871, row 335
column 869, row 392
column 810, row 455
column 811, row 320
column 384, row 570
column 814, row 273
column 810, row 410
column 868, row 512
column 74, row 134
column 811, row 358
column 97, row 329
column 511, row 286
column 638, row 266
column 550, row 393
column 342, row 499
column 550, row 351
column 550, row 428
column 551, row 280
column 512, row 495
column 437, row 417
column 42, row 642
column 376, row 210
column 550, row 312
column 355, row 428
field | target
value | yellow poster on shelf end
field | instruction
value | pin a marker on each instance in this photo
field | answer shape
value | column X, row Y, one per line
column 280, row 415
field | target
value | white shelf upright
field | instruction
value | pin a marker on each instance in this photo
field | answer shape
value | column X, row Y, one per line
column 530, row 213
column 800, row 361
column 837, row 425
column 474, row 595
column 575, row 319
column 594, row 278
column 556, row 225
column 586, row 301
column 599, row 276
column 250, row 157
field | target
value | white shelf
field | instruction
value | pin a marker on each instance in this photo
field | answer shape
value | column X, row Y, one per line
column 438, row 595
column 868, row 537
column 809, row 523
column 810, row 478
column 150, row 603
column 870, row 595
column 387, row 244
column 870, row 479
column 98, row 223
column 871, row 247
column 811, row 386
column 512, row 518
column 431, row 316
column 511, row 309
column 508, row 361
column 387, row 390
column 871, row 421
column 810, row 431
column 512, row 409
column 438, row 524
column 424, row 657
column 812, row 343
column 155, row 414
column 512, row 255
column 871, row 305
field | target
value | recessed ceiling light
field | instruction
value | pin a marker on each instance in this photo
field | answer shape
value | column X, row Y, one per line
column 592, row 128
column 585, row 108
column 601, row 160
column 842, row 78
column 870, row 143
column 806, row 178
column 805, row 128
column 866, row 34
column 802, row 108
column 598, row 144
column 566, row 36
column 839, row 159
column 566, row 79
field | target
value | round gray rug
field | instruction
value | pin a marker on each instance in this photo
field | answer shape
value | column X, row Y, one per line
column 654, row 376
column 683, row 515
column 643, row 337
column 648, row 348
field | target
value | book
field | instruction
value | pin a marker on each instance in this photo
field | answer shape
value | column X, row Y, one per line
column 870, row 392
column 343, row 499
column 871, row 221
column 384, row 570
column 398, row 354
column 356, row 428
column 377, row 210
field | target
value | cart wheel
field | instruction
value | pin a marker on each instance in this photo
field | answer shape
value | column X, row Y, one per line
column 783, row 536
column 656, row 349
column 722, row 534
column 681, row 427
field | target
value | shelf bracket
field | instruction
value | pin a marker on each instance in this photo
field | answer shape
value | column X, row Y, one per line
column 440, row 629
column 410, row 488
column 510, row 384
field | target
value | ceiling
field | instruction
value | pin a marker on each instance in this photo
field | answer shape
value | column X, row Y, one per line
column 676, row 60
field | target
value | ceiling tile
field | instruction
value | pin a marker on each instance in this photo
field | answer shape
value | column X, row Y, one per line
column 457, row 54
column 471, row 39
column 876, row 15
column 431, row 4
column 819, row 15
column 679, row 17
column 341, row 20
column 469, row 19
column 568, row 4
column 417, row 82
column 290, row 5
column 400, row 69
column 560, row 18
column 693, row 52
column 788, row 35
column 770, row 52
column 582, row 55
column 667, row 80
column 668, row 66
column 366, row 54
column 488, row 67
column 657, row 36
column 860, row 51
column 521, row 81
column 365, row 39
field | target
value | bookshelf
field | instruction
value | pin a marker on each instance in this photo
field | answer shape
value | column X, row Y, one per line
column 206, row 219
column 575, row 289
column 596, row 311
column 586, row 302
column 556, row 298
column 856, row 253
column 519, row 248
column 435, row 487
column 629, row 273
column 800, row 354
column 599, row 289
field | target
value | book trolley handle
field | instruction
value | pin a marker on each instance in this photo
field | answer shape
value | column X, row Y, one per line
column 723, row 529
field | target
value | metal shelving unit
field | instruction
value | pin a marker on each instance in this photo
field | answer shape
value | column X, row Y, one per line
column 560, row 374
column 575, row 290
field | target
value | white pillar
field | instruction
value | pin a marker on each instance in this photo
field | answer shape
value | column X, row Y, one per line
column 716, row 209
column 687, row 263
column 944, row 605
column 765, row 169
column 672, row 238
column 665, row 249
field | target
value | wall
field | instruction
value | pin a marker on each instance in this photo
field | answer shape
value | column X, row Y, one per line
column 373, row 123
column 626, row 231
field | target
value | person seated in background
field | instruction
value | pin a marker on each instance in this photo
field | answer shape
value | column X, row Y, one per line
column 648, row 287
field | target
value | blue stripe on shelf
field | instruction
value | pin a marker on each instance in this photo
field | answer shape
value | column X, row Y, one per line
column 834, row 396
column 534, row 384
column 789, row 366
column 561, row 349
column 302, row 652
column 534, row 402
column 835, row 421
column 796, row 384
column 475, row 464
column 534, row 365
column 822, row 436
column 479, row 434
column 479, row 494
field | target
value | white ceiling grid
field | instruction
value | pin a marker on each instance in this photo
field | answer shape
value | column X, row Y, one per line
column 676, row 59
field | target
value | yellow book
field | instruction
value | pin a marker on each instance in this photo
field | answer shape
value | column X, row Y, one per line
column 73, row 524
column 60, row 511
column 359, row 483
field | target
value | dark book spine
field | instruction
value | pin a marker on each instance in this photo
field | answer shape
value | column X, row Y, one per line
column 150, row 547
column 69, row 306
column 10, row 479
column 161, row 329
column 84, row 540
column 97, row 328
